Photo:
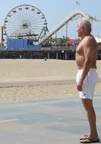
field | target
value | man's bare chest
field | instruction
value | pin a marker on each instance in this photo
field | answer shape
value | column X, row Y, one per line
column 79, row 49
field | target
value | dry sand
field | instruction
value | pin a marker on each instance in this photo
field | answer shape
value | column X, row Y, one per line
column 24, row 79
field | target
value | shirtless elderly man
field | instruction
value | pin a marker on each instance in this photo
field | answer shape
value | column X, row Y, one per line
column 87, row 77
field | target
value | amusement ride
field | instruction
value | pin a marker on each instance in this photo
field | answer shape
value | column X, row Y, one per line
column 25, row 27
column 24, row 17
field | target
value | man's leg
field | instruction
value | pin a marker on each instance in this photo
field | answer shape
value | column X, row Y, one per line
column 88, row 105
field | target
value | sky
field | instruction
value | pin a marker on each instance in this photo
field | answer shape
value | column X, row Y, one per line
column 57, row 10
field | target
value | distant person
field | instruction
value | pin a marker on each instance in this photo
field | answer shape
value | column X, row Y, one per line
column 87, row 77
column 45, row 58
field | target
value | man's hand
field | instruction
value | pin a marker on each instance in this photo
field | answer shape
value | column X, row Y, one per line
column 79, row 85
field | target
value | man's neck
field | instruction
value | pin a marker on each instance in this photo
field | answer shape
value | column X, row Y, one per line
column 85, row 35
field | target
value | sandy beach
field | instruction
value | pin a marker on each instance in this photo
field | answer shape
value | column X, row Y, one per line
column 24, row 79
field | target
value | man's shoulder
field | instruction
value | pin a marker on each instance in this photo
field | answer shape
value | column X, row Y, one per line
column 89, row 40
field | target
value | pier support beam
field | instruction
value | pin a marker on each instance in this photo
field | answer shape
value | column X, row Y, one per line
column 48, row 55
column 56, row 55
column 66, row 56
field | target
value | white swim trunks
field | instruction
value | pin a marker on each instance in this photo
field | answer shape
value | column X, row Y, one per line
column 89, row 84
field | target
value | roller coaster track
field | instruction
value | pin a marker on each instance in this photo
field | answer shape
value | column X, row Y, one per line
column 66, row 20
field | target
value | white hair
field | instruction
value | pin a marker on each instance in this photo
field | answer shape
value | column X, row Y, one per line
column 84, row 22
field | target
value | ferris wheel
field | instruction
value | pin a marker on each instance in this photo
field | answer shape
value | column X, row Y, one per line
column 23, row 17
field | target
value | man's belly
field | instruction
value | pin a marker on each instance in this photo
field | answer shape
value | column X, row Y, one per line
column 80, row 62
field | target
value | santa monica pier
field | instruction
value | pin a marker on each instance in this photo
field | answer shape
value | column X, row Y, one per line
column 25, row 35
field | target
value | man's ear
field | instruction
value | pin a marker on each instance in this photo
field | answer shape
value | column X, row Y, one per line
column 82, row 29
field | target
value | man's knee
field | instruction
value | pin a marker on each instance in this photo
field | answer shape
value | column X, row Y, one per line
column 87, row 104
